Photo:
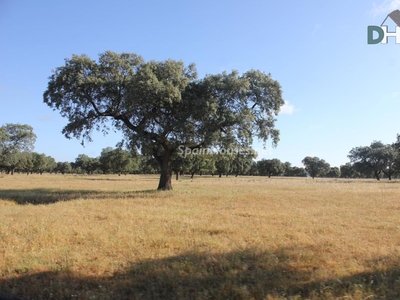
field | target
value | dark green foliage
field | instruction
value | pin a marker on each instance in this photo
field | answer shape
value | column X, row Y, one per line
column 118, row 161
column 377, row 158
column 14, row 139
column 87, row 164
column 160, row 105
column 315, row 166
column 347, row 171
column 270, row 167
column 293, row 171
column 333, row 173
column 63, row 167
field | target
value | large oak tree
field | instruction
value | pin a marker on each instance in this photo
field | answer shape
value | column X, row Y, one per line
column 162, row 105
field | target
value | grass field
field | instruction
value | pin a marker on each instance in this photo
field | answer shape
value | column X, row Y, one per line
column 111, row 237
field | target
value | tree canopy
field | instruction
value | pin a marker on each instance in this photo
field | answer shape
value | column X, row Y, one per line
column 315, row 166
column 15, row 138
column 376, row 158
column 270, row 167
column 162, row 105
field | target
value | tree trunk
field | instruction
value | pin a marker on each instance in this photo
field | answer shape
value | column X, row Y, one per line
column 176, row 175
column 166, row 171
column 192, row 175
column 388, row 174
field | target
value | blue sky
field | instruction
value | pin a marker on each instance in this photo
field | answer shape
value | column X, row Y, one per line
column 340, row 92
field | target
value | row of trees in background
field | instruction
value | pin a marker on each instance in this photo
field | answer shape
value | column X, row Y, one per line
column 17, row 144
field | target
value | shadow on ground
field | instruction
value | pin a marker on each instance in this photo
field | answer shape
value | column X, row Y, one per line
column 48, row 196
column 247, row 274
column 121, row 178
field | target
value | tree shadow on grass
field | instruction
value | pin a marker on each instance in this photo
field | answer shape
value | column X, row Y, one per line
column 49, row 196
column 120, row 178
column 246, row 274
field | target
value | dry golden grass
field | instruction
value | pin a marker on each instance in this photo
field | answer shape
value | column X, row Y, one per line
column 111, row 237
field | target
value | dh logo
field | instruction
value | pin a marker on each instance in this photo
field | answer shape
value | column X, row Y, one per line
column 383, row 32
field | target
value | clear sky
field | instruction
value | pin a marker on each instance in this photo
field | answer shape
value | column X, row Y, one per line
column 340, row 92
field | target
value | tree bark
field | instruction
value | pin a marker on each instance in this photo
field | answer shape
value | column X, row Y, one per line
column 166, row 171
column 176, row 175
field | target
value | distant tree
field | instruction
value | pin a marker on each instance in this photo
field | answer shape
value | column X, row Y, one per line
column 88, row 164
column 396, row 146
column 63, row 167
column 178, row 164
column 333, row 173
column 10, row 162
column 315, row 166
column 347, row 171
column 242, row 161
column 376, row 158
column 270, row 167
column 194, row 163
column 40, row 162
column 293, row 171
column 123, row 162
column 51, row 164
column 209, row 166
column 287, row 166
column 25, row 162
column 118, row 161
column 148, row 165
column 253, row 169
column 223, row 164
column 105, row 160
column 391, row 159
column 160, row 105
column 14, row 138
column 297, row 172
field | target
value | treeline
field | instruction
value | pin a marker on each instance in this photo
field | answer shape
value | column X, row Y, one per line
column 17, row 142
